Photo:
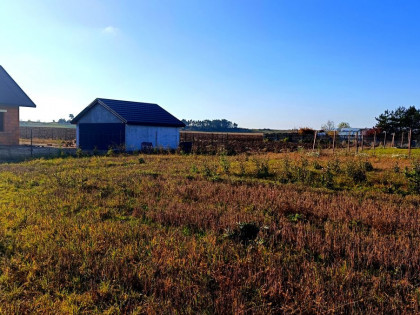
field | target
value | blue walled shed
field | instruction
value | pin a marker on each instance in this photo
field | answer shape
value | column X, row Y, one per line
column 109, row 123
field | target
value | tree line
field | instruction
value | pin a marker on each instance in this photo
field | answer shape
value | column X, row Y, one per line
column 213, row 125
column 396, row 121
column 399, row 120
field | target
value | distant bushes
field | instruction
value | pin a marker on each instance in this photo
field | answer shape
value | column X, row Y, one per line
column 306, row 131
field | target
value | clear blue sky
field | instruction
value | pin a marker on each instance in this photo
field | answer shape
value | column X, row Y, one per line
column 275, row 64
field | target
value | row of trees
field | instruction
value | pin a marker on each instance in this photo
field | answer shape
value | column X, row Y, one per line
column 391, row 121
column 211, row 125
column 64, row 121
column 330, row 126
column 400, row 120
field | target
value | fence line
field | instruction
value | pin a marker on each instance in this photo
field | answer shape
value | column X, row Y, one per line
column 66, row 134
column 270, row 142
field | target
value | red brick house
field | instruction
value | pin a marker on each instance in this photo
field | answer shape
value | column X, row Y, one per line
column 11, row 98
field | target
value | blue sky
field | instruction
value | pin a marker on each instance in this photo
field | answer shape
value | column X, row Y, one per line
column 274, row 64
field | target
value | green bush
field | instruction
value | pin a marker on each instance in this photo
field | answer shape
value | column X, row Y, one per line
column 368, row 166
column 356, row 172
column 225, row 164
column 413, row 177
column 79, row 152
column 262, row 169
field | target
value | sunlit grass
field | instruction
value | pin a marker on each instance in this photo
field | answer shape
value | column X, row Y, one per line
column 273, row 233
column 394, row 152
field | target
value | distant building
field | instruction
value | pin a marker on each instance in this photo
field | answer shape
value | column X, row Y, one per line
column 109, row 123
column 11, row 98
column 345, row 132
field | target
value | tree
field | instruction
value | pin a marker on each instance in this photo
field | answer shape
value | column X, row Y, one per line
column 343, row 125
column 400, row 120
column 210, row 125
column 329, row 126
column 71, row 116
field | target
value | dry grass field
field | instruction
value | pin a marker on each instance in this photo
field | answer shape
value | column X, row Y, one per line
column 253, row 234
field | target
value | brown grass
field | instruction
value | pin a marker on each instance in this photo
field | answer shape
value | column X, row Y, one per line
column 110, row 234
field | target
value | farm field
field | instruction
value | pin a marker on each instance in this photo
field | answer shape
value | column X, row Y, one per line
column 297, row 232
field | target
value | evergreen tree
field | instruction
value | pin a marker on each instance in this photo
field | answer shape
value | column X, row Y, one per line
column 400, row 120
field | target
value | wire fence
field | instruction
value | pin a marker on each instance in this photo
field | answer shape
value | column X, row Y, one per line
column 66, row 134
column 232, row 143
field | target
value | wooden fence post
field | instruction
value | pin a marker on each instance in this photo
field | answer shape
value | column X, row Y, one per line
column 348, row 142
column 393, row 138
column 409, row 143
column 374, row 141
column 334, row 142
column 32, row 149
column 362, row 141
column 313, row 146
column 357, row 142
column 385, row 140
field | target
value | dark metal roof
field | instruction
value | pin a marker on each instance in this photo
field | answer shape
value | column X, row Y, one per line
column 10, row 92
column 135, row 113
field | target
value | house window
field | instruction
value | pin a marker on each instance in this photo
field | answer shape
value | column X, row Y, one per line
column 1, row 121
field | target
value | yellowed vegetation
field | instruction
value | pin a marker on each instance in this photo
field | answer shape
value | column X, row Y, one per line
column 272, row 233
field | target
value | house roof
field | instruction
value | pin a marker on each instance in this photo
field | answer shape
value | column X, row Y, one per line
column 10, row 92
column 135, row 113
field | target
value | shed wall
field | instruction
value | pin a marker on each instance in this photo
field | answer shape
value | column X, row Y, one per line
column 10, row 135
column 160, row 137
column 98, row 114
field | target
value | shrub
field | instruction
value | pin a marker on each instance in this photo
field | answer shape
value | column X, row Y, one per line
column 316, row 165
column 244, row 232
column 262, row 169
column 368, row 166
column 306, row 131
column 110, row 152
column 334, row 165
column 194, row 169
column 328, row 178
column 356, row 172
column 413, row 177
column 225, row 164
column 79, row 152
